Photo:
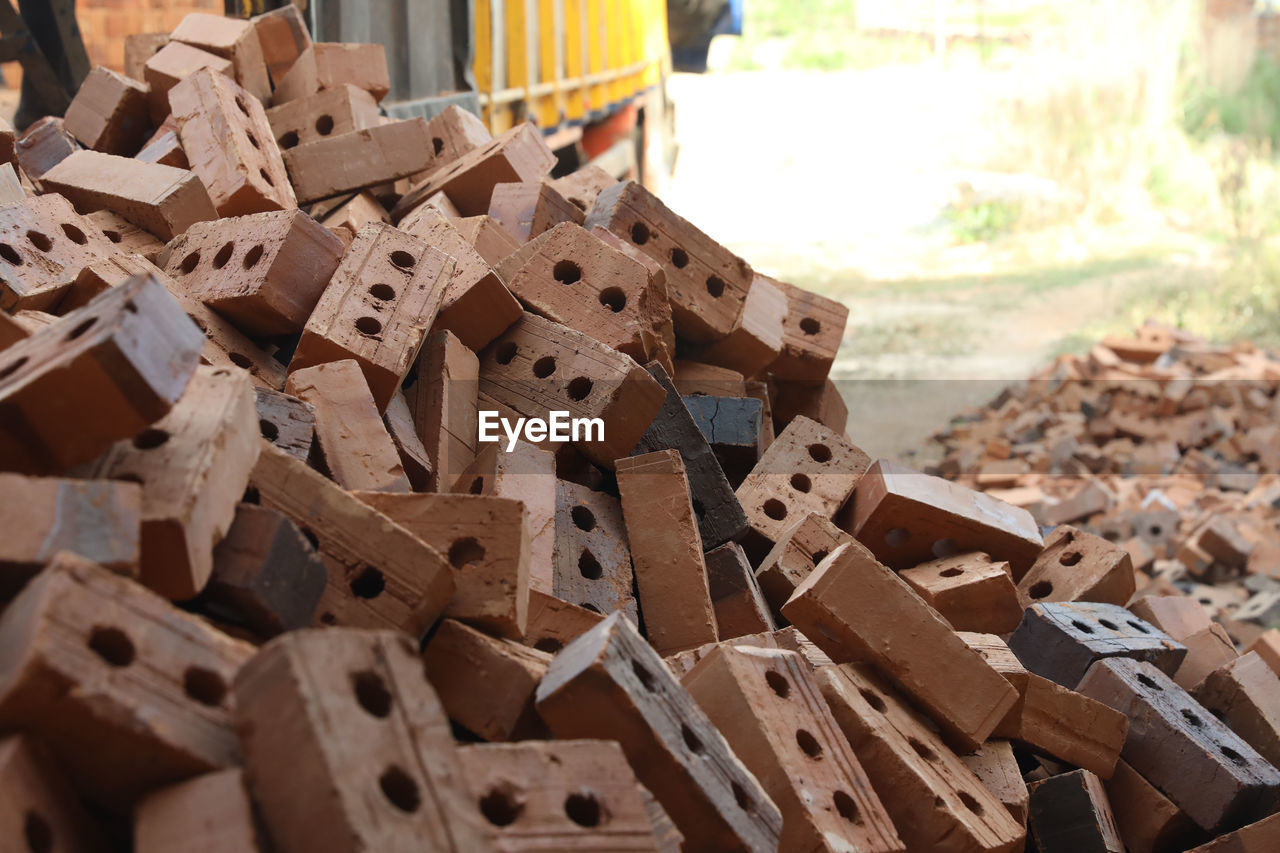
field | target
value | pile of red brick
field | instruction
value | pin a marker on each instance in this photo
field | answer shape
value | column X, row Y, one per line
column 262, row 587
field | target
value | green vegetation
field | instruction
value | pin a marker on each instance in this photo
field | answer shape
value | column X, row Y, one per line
column 984, row 221
column 1251, row 113
column 1240, row 302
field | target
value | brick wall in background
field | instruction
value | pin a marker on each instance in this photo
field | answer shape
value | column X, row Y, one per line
column 105, row 23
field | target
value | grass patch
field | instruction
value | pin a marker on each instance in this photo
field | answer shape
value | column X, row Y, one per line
column 984, row 221
column 1239, row 302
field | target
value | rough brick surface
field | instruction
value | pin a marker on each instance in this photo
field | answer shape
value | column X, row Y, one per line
column 932, row 798
column 264, row 272
column 54, row 416
column 671, row 577
column 592, row 558
column 852, row 603
column 377, row 308
column 369, row 763
column 129, row 692
column 610, row 684
column 193, row 464
column 227, row 139
column 1182, row 749
column 160, row 199
column 771, row 712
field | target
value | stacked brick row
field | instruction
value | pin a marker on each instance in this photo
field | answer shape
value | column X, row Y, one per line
column 264, row 588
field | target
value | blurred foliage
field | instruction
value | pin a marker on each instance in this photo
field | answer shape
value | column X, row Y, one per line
column 1252, row 112
column 1242, row 302
column 983, row 221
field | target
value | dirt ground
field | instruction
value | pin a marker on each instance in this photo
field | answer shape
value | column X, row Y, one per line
column 838, row 181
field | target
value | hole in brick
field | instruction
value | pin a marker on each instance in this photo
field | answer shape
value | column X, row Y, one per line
column 548, row 644
column 477, row 486
column 819, row 453
column 74, row 234
column 970, row 802
column 252, row 257
column 583, row 518
column 268, row 430
column 846, row 807
column 465, row 553
column 567, row 272
column 939, row 803
column 639, row 233
column 1108, row 624
column 801, row 483
column 1040, row 589
column 715, row 286
column 921, row 750
column 775, row 509
column 583, row 809
column 266, row 177
column 613, row 298
column 1191, row 718
column 873, row 699
column 240, row 360
column 951, row 573
column 150, row 439
column 243, row 107
column 289, row 140
column 740, row 797
column 808, row 744
column 382, row 291
column 189, row 263
column 224, row 255
column 544, row 367
column 588, row 566
column 944, row 548
column 1082, row 626
column 37, row 832
column 1234, row 756
column 253, row 140
column 819, row 555
column 368, row 326
column 372, row 693
column 1138, row 626
column 691, row 740
column 112, row 645
column 680, row 258
column 778, row 682
column 13, row 368
column 113, row 236
column 505, row 352
column 579, row 388
column 402, row 259
column 10, row 254
column 645, row 676
column 82, row 327
column 204, row 686
column 810, row 326
column 328, row 618
column 40, row 241
column 897, row 537
column 1070, row 558
column 368, row 584
column 1147, row 681
column 437, row 145
column 324, row 125
column 500, row 807
column 400, row 789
